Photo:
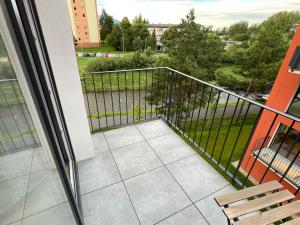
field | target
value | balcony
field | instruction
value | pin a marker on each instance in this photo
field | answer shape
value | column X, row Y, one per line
column 146, row 174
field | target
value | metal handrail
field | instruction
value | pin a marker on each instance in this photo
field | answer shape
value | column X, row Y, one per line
column 208, row 84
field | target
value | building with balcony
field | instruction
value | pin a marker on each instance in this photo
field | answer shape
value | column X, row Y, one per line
column 84, row 22
column 275, row 142
column 143, row 146
column 158, row 29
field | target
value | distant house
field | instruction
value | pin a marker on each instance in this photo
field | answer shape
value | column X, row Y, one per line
column 159, row 29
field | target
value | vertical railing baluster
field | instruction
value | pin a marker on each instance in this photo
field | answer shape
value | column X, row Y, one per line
column 98, row 114
column 112, row 99
column 164, row 97
column 151, row 94
column 265, row 139
column 88, row 103
column 199, row 112
column 139, row 95
column 204, row 121
column 193, row 109
column 104, row 100
column 178, row 104
column 228, row 130
column 133, row 103
column 188, row 103
column 119, row 95
column 220, row 125
column 145, row 99
column 170, row 95
column 157, row 93
column 173, row 110
column 126, row 105
column 238, row 136
column 212, row 121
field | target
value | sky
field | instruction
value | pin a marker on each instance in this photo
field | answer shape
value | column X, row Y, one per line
column 218, row 13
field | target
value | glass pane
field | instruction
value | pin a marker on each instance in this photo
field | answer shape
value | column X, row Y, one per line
column 295, row 105
column 290, row 146
column 31, row 190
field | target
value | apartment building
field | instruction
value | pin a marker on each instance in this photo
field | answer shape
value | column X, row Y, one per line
column 84, row 22
column 275, row 141
column 159, row 29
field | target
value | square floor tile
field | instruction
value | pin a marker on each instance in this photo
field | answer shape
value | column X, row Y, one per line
column 154, row 128
column 188, row 216
column 100, row 144
column 15, row 164
column 170, row 148
column 123, row 136
column 135, row 159
column 109, row 206
column 196, row 177
column 155, row 195
column 97, row 172
column 12, row 199
column 210, row 209
column 42, row 160
column 45, row 190
column 58, row 215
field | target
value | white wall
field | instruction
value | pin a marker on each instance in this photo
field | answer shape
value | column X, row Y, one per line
column 56, row 26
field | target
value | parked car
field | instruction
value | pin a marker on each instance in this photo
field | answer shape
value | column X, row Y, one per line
column 98, row 54
column 92, row 54
column 84, row 54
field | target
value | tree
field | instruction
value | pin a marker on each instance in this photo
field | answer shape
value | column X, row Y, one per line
column 139, row 29
column 137, row 44
column 239, row 31
column 115, row 38
column 106, row 22
column 152, row 41
column 127, row 32
column 193, row 48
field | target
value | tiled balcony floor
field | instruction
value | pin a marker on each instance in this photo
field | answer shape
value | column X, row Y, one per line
column 146, row 174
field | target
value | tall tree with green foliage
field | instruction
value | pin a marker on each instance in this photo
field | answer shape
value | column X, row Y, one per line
column 127, row 32
column 239, row 31
column 139, row 29
column 193, row 48
column 115, row 38
column 137, row 44
column 152, row 41
column 106, row 23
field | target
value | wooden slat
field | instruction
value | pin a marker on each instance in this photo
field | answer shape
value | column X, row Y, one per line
column 293, row 222
column 257, row 204
column 273, row 215
column 247, row 193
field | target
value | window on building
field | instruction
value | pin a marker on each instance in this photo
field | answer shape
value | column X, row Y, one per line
column 74, row 1
column 288, row 141
column 74, row 8
column 83, row 15
column 86, row 33
column 79, row 39
column 294, row 108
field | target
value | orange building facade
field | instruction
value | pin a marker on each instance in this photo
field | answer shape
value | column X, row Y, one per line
column 85, row 24
column 275, row 140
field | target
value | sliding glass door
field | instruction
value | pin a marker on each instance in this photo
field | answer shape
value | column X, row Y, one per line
column 38, row 169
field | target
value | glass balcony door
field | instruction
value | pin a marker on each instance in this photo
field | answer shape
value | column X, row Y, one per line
column 38, row 169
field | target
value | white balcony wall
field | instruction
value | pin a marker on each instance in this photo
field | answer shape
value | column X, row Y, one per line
column 56, row 26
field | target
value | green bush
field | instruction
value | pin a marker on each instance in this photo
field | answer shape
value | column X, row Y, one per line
column 129, row 61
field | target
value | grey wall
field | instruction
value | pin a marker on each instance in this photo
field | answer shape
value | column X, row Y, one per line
column 57, row 31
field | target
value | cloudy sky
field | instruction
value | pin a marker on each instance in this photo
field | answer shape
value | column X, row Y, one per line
column 208, row 12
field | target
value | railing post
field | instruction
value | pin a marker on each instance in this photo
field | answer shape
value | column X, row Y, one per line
column 170, row 94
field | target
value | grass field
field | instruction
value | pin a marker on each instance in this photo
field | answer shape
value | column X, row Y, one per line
column 215, row 141
column 105, row 48
column 114, row 82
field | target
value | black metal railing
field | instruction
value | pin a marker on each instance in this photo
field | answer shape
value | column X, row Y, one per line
column 17, row 131
column 218, row 123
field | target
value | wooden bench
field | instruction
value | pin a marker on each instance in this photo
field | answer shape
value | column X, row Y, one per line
column 237, row 204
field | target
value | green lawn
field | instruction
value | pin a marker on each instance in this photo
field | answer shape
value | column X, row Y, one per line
column 215, row 150
column 105, row 48
column 134, row 80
